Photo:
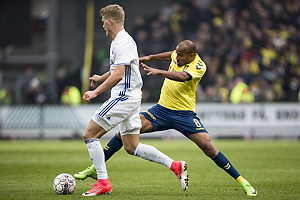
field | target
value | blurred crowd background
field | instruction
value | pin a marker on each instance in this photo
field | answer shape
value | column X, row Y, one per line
column 251, row 49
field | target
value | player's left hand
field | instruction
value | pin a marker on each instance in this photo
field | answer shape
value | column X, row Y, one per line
column 95, row 80
column 87, row 96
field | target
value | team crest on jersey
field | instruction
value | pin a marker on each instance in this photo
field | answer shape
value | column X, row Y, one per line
column 174, row 61
column 111, row 62
column 185, row 67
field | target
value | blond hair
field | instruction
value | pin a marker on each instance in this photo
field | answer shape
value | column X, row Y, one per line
column 114, row 12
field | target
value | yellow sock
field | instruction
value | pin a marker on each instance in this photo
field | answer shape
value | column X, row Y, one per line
column 240, row 179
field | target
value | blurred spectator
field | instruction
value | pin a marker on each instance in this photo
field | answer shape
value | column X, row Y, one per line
column 5, row 96
column 222, row 88
column 33, row 91
column 28, row 96
column 257, row 41
column 70, row 96
column 241, row 92
column 142, row 42
column 209, row 79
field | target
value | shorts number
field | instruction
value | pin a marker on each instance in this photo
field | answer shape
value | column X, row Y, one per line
column 198, row 124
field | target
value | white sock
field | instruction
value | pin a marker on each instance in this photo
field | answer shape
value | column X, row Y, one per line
column 97, row 156
column 152, row 154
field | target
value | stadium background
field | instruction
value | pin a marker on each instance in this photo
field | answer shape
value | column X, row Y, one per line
column 251, row 49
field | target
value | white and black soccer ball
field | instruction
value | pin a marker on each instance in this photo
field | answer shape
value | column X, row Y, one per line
column 64, row 184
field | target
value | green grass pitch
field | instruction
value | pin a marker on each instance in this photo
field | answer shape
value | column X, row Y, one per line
column 28, row 168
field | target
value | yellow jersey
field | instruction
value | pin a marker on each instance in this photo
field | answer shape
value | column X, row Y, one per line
column 177, row 95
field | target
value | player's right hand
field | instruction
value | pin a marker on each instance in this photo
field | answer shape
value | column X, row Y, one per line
column 87, row 96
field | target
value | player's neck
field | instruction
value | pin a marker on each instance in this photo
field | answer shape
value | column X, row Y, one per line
column 116, row 31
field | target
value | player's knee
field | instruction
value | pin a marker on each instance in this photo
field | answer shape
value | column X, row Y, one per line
column 129, row 149
column 84, row 136
column 118, row 135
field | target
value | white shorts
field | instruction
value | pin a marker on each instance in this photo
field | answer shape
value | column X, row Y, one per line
column 119, row 111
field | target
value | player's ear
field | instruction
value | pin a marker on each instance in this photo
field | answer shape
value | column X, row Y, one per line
column 192, row 56
column 111, row 21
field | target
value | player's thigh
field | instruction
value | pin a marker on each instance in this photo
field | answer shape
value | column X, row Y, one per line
column 132, row 124
column 146, row 125
column 93, row 130
column 115, row 111
column 130, row 132
column 187, row 122
column 156, row 118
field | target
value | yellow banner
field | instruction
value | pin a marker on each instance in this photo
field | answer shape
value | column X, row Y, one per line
column 89, row 37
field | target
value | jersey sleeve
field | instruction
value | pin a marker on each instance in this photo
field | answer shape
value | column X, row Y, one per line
column 196, row 69
column 173, row 58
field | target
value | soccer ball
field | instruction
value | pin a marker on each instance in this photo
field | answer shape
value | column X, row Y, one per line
column 64, row 184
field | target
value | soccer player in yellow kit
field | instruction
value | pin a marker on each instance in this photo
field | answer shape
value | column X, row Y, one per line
column 176, row 109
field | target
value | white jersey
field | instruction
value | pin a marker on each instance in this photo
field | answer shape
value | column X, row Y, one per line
column 123, row 51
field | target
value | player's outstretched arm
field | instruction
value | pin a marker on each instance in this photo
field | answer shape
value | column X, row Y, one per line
column 166, row 56
column 175, row 76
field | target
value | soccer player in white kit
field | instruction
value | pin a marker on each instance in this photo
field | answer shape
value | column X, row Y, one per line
column 123, row 107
